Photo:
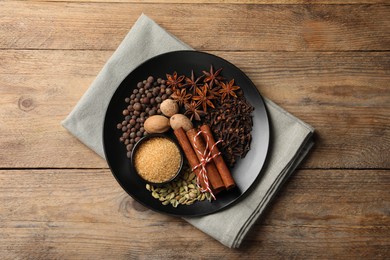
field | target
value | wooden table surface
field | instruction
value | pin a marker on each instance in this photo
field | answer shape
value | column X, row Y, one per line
column 327, row 63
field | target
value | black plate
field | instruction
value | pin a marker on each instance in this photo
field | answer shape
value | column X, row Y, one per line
column 246, row 170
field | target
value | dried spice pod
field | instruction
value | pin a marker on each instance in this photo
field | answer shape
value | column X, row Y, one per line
column 182, row 191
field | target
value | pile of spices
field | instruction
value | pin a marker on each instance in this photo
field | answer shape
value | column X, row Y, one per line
column 206, row 99
column 221, row 104
column 231, row 121
column 157, row 160
column 144, row 101
column 181, row 191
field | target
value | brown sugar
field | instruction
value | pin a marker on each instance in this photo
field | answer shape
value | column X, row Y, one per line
column 157, row 160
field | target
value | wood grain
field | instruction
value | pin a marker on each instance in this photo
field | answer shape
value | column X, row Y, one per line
column 343, row 95
column 102, row 26
column 237, row 1
column 327, row 62
column 82, row 214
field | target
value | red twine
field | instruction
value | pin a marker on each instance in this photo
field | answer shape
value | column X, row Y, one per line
column 206, row 157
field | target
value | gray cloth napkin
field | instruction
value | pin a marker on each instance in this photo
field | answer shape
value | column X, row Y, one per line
column 290, row 137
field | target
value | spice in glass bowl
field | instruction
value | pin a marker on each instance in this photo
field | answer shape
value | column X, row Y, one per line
column 157, row 159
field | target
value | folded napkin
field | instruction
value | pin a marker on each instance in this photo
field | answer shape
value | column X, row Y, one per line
column 290, row 137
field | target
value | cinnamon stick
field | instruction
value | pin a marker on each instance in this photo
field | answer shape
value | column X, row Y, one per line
column 212, row 172
column 223, row 170
column 189, row 153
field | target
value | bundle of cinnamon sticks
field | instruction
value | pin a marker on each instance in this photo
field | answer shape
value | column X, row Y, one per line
column 194, row 144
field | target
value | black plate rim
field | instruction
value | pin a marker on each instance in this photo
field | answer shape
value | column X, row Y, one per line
column 245, row 193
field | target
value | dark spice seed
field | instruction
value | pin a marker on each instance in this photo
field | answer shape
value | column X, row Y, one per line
column 137, row 106
column 231, row 121
column 145, row 100
column 142, row 102
column 150, row 79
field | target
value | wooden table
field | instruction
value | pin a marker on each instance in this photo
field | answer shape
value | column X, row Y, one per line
column 328, row 64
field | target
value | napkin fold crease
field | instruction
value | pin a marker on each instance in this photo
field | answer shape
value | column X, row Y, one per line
column 290, row 141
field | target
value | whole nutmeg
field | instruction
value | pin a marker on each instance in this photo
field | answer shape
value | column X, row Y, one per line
column 156, row 124
column 169, row 107
column 180, row 120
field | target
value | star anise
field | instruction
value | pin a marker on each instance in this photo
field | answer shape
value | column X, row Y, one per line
column 192, row 83
column 193, row 111
column 213, row 77
column 181, row 96
column 203, row 97
column 227, row 89
column 174, row 81
column 214, row 90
